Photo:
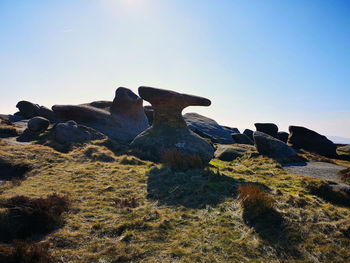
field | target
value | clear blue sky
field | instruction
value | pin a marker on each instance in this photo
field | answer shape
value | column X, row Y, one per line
column 286, row 62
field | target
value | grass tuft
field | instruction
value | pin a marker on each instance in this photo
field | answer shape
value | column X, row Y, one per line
column 8, row 131
column 254, row 201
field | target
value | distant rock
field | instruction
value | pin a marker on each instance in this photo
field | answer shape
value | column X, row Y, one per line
column 208, row 128
column 70, row 131
column 230, row 130
column 28, row 109
column 38, row 124
column 304, row 138
column 169, row 131
column 241, row 138
column 344, row 151
column 268, row 128
column 283, row 136
column 126, row 119
column 101, row 104
column 249, row 133
column 229, row 153
column 270, row 146
column 149, row 113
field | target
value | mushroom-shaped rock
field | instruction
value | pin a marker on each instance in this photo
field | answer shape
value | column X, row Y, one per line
column 169, row 131
column 125, row 119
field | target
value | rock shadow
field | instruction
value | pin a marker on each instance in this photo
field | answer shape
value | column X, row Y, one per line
column 194, row 188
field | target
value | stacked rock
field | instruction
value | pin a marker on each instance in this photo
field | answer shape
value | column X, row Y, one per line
column 169, row 131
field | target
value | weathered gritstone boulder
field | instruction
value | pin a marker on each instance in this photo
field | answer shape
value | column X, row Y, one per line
column 230, row 130
column 29, row 110
column 70, row 131
column 249, row 133
column 268, row 128
column 344, row 150
column 149, row 113
column 208, row 128
column 228, row 152
column 241, row 138
column 38, row 124
column 169, row 131
column 124, row 121
column 283, row 136
column 270, row 146
column 303, row 138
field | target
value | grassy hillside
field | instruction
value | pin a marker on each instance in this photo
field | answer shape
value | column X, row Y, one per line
column 123, row 209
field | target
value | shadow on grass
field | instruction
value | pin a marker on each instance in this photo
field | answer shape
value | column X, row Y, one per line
column 194, row 188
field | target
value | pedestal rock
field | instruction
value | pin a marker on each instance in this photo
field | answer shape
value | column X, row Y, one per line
column 169, row 131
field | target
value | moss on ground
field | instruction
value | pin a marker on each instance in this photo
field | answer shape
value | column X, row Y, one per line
column 127, row 209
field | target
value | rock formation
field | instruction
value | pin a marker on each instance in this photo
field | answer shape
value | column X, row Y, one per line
column 38, row 124
column 249, row 133
column 70, row 131
column 283, row 136
column 268, row 128
column 241, row 138
column 270, row 146
column 208, row 128
column 301, row 137
column 169, row 131
column 229, row 153
column 122, row 119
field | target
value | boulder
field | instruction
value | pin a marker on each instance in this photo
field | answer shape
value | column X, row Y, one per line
column 241, row 138
column 208, row 128
column 272, row 147
column 283, row 136
column 149, row 113
column 28, row 109
column 122, row 122
column 304, row 138
column 169, row 131
column 230, row 130
column 344, row 150
column 228, row 152
column 38, row 124
column 101, row 104
column 249, row 133
column 46, row 113
column 268, row 128
column 70, row 132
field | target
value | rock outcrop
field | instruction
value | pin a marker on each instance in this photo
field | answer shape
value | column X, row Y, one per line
column 70, row 131
column 169, row 131
column 208, row 128
column 304, row 138
column 38, row 124
column 249, row 133
column 272, row 147
column 344, row 151
column 230, row 130
column 283, row 136
column 241, row 138
column 124, row 121
column 29, row 110
column 268, row 128
column 228, row 152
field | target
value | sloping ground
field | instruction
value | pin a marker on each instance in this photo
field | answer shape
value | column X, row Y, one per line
column 127, row 210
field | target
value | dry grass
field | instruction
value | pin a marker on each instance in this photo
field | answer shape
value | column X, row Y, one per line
column 180, row 216
column 7, row 131
column 181, row 161
column 26, row 252
column 254, row 201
